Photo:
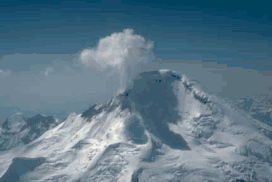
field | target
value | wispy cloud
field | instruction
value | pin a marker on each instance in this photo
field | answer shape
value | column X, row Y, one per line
column 4, row 73
column 47, row 71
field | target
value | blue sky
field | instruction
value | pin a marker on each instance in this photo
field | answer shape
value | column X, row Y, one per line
column 225, row 38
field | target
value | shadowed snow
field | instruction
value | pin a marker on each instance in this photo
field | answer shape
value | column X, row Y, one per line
column 163, row 127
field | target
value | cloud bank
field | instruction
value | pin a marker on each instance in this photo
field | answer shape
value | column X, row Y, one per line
column 124, row 52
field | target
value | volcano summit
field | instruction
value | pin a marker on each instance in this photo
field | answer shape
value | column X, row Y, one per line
column 163, row 127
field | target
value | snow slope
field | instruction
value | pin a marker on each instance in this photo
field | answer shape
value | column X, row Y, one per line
column 164, row 127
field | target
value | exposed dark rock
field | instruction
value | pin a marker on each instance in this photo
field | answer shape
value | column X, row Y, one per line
column 155, row 100
column 92, row 111
column 135, row 175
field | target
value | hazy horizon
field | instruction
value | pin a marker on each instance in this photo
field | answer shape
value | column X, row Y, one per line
column 227, row 48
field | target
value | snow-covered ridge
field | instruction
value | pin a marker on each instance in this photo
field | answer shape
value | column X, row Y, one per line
column 163, row 127
column 17, row 130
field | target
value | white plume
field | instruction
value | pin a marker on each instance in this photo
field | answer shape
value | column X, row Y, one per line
column 119, row 52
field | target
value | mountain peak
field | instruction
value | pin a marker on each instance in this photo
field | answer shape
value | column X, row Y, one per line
column 163, row 127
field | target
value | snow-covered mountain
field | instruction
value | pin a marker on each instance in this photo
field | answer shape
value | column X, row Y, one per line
column 163, row 127
column 259, row 107
column 18, row 130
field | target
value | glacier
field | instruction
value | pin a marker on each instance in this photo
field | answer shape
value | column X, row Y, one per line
column 163, row 127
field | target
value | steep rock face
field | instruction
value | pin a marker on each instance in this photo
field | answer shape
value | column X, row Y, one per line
column 163, row 127
column 18, row 130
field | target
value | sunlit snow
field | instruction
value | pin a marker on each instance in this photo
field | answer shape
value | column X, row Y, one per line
column 164, row 127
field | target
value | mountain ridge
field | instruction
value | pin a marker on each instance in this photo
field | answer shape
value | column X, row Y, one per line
column 163, row 127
